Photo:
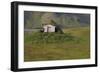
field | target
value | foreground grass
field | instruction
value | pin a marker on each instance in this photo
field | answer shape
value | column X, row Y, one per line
column 73, row 44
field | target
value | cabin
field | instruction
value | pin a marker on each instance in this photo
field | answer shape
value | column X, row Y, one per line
column 49, row 28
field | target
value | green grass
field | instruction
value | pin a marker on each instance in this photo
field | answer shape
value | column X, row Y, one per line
column 73, row 44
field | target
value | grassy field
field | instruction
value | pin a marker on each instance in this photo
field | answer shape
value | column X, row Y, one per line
column 73, row 44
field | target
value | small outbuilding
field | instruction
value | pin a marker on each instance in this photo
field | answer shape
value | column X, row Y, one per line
column 49, row 28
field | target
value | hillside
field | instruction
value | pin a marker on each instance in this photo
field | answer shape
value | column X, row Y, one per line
column 33, row 19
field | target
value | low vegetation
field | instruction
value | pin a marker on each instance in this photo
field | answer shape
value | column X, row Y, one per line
column 73, row 44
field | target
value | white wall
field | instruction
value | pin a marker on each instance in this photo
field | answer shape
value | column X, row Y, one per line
column 5, row 35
